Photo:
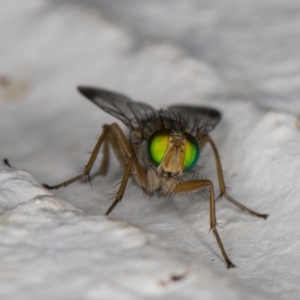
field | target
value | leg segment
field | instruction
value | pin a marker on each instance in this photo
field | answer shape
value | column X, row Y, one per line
column 137, row 172
column 194, row 186
column 123, row 143
column 122, row 187
column 110, row 140
column 105, row 157
column 208, row 139
column 112, row 133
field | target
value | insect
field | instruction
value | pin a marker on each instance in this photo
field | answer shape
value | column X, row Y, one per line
column 162, row 148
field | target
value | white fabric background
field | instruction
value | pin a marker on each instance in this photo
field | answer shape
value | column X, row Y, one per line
column 240, row 57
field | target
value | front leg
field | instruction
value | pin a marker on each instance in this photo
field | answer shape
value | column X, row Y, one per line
column 122, row 148
column 112, row 129
column 194, row 186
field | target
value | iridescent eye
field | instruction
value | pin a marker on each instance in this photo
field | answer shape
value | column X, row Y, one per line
column 158, row 145
column 192, row 152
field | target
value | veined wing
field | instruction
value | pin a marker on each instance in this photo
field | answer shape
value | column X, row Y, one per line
column 199, row 118
column 118, row 105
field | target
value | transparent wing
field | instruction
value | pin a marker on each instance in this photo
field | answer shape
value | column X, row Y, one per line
column 118, row 105
column 203, row 119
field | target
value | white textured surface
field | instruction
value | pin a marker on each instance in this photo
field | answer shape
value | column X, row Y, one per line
column 210, row 54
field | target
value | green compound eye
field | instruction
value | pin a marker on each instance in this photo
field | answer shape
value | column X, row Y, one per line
column 158, row 145
column 192, row 152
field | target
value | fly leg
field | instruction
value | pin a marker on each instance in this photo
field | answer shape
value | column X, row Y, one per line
column 208, row 139
column 109, row 141
column 112, row 129
column 194, row 186
column 105, row 157
column 121, row 190
column 126, row 156
column 90, row 163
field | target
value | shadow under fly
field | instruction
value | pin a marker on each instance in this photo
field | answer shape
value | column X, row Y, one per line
column 162, row 146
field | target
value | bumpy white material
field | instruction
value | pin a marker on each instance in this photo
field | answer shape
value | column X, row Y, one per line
column 59, row 245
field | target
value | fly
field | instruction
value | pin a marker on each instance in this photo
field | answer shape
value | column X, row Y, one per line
column 162, row 147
